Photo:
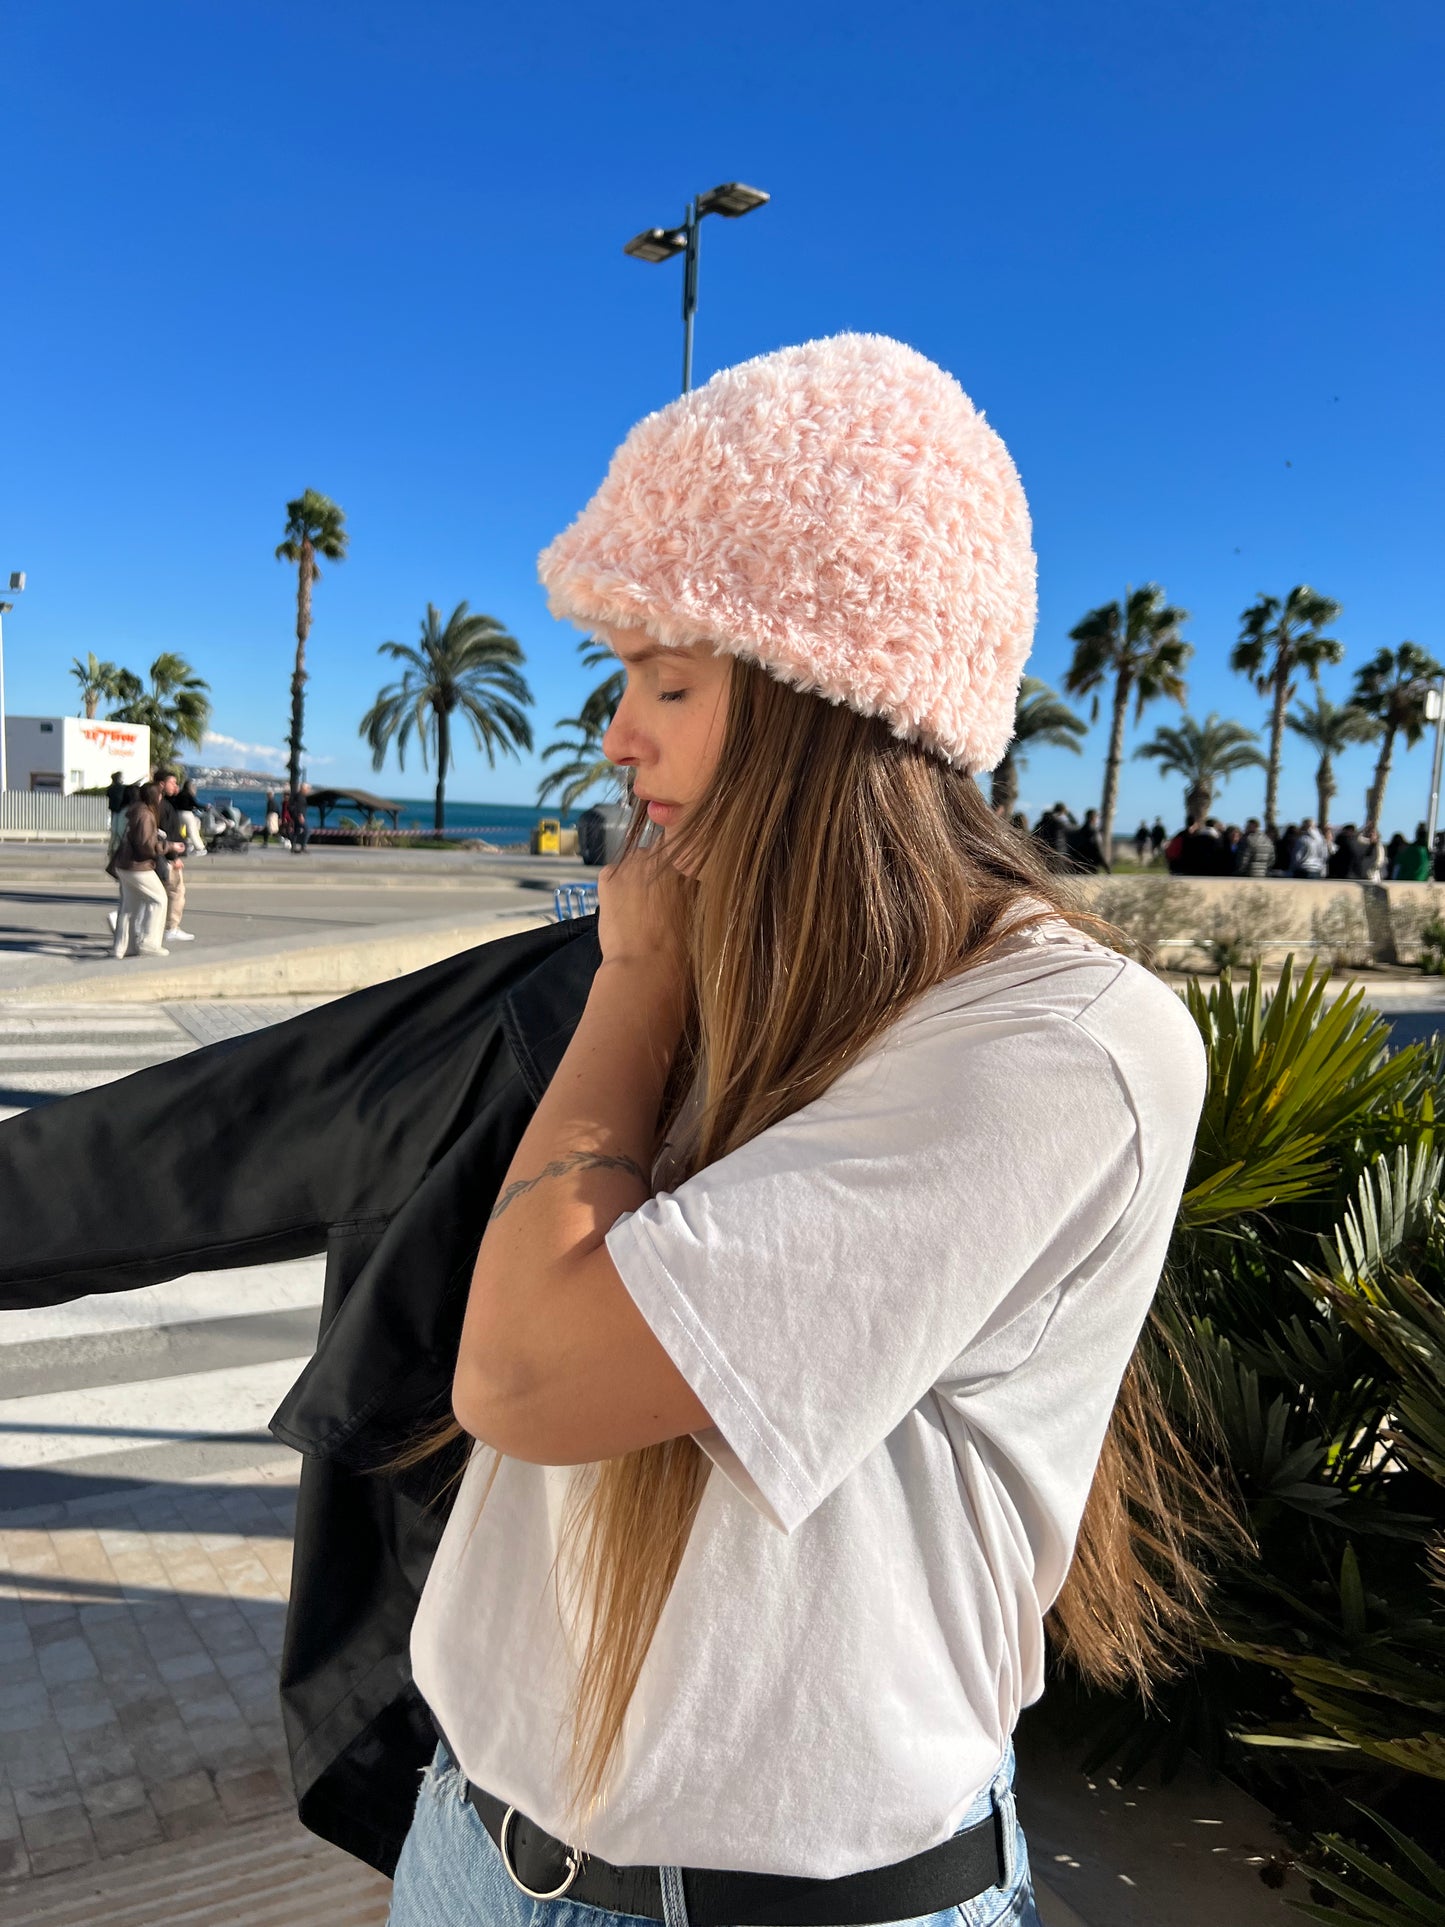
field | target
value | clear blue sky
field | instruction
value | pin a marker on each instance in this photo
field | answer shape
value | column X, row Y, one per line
column 1187, row 258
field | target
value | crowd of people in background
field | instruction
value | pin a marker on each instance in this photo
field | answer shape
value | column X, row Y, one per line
column 1205, row 847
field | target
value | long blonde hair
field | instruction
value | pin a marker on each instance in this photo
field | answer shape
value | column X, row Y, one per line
column 838, row 873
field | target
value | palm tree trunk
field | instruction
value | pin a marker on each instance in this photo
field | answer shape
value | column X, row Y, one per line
column 1197, row 800
column 1004, row 792
column 298, row 674
column 1325, row 788
column 1113, row 761
column 444, row 751
column 92, row 697
column 1375, row 798
column 1276, row 747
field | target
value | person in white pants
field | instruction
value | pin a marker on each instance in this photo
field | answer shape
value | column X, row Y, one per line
column 142, row 915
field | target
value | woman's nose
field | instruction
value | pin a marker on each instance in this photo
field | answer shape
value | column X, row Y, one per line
column 619, row 744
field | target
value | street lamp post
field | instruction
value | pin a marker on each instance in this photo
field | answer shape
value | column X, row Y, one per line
column 1435, row 712
column 731, row 200
column 17, row 587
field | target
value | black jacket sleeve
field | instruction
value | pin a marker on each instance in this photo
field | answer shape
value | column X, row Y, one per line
column 331, row 1116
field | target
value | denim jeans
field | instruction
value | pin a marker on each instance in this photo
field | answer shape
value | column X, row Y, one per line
column 451, row 1874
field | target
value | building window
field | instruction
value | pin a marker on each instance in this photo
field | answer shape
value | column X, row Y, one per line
column 47, row 729
column 77, row 779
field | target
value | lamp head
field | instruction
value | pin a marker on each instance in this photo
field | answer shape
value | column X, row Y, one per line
column 17, row 580
column 731, row 199
column 657, row 244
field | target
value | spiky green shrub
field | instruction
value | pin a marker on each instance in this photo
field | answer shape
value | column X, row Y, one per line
column 1308, row 1289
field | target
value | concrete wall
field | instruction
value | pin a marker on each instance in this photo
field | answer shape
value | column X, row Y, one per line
column 1184, row 920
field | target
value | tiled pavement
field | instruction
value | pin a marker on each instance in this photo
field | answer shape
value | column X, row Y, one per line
column 139, row 1638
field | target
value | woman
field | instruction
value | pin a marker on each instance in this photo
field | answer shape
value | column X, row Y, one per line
column 793, row 1337
column 143, row 901
column 270, row 822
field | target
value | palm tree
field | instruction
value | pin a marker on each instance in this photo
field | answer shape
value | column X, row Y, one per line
column 469, row 666
column 176, row 708
column 586, row 766
column 1040, row 716
column 601, row 705
column 1204, row 754
column 314, row 526
column 1330, row 728
column 96, row 679
column 1276, row 640
column 1135, row 644
column 1392, row 688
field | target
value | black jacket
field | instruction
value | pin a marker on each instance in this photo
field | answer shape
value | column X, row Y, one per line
column 402, row 1105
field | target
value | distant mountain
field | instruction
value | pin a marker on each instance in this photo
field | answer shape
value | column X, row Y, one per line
column 218, row 777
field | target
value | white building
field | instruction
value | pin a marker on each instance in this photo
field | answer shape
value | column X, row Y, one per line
column 63, row 754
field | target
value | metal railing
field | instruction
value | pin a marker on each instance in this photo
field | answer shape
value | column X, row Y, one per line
column 571, row 900
column 43, row 815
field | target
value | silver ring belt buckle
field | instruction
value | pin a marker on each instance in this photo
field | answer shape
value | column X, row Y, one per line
column 573, row 1864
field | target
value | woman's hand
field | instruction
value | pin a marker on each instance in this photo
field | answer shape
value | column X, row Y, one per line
column 642, row 907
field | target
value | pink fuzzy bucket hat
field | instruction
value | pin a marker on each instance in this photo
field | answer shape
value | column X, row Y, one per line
column 839, row 512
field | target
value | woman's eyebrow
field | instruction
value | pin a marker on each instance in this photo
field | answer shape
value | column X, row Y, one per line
column 650, row 652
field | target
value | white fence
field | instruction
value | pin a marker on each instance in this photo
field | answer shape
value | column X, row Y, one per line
column 40, row 816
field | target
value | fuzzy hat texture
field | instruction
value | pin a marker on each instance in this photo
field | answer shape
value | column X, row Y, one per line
column 839, row 512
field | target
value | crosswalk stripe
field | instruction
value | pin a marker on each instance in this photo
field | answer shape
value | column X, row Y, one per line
column 49, row 1428
column 64, row 1083
column 154, row 1049
column 291, row 1285
column 158, row 1024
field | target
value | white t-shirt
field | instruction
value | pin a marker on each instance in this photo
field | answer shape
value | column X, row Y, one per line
column 907, row 1309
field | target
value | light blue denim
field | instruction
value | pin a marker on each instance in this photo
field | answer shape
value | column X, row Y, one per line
column 451, row 1874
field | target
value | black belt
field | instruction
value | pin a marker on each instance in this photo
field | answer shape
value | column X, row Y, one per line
column 955, row 1871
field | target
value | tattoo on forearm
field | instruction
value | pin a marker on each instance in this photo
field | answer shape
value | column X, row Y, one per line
column 559, row 1167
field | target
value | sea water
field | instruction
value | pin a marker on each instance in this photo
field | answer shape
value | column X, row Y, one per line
column 506, row 824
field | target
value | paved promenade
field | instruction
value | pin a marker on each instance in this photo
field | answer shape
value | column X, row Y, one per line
column 54, row 899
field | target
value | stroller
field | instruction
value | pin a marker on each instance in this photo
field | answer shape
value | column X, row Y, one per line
column 223, row 827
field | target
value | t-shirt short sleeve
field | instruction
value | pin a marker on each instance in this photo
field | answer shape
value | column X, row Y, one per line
column 813, row 1285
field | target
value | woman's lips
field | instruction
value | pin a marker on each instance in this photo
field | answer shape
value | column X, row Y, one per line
column 663, row 812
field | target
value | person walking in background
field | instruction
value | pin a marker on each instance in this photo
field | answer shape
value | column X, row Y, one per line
column 270, row 821
column 1340, row 863
column 142, row 914
column 188, row 809
column 174, row 832
column 117, row 800
column 1141, row 844
column 1198, row 851
column 1158, row 835
column 1053, row 832
column 1084, row 846
column 1255, row 855
column 300, row 822
column 1368, row 856
column 1414, row 863
column 1310, row 854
